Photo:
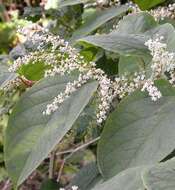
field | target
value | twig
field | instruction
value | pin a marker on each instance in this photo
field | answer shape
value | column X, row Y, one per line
column 78, row 148
column 64, row 152
column 51, row 165
column 6, row 185
column 28, row 83
column 72, row 151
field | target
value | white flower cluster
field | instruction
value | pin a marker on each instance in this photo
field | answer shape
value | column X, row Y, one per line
column 105, row 91
column 62, row 58
column 108, row 90
column 124, row 86
column 52, row 51
column 106, row 98
column 153, row 91
column 70, row 88
column 162, row 60
column 11, row 84
column 172, row 77
column 23, row 61
column 161, row 13
column 72, row 188
column 102, row 3
column 108, row 2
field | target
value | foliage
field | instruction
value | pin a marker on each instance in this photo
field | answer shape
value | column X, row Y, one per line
column 87, row 96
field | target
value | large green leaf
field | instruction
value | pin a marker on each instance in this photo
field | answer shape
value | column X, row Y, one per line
column 130, row 64
column 129, row 179
column 128, row 38
column 55, row 4
column 87, row 177
column 136, row 23
column 138, row 132
column 147, row 4
column 96, row 19
column 161, row 176
column 30, row 135
column 132, row 32
column 125, row 44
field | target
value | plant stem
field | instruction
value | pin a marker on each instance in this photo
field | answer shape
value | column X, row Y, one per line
column 72, row 151
column 6, row 185
column 51, row 165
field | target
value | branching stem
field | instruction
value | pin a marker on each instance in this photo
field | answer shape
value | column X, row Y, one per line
column 72, row 151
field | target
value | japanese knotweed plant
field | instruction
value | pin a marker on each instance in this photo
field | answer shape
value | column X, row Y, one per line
column 61, row 59
column 134, row 110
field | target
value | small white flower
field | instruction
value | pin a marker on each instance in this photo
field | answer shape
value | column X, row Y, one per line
column 64, row 59
column 74, row 187
column 162, row 60
column 162, row 12
column 152, row 90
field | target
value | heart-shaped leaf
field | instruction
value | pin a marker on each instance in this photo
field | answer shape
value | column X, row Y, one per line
column 136, row 24
column 138, row 132
column 160, row 176
column 30, row 135
column 87, row 177
column 129, row 179
column 97, row 19
column 125, row 44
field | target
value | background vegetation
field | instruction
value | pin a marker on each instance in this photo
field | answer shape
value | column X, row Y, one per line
column 134, row 148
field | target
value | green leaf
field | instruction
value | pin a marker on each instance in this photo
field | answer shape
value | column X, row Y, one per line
column 136, row 24
column 64, row 3
column 30, row 135
column 167, row 20
column 7, row 36
column 129, row 37
column 87, row 177
column 3, row 174
column 49, row 184
column 138, row 132
column 55, row 4
column 33, row 71
column 124, row 44
column 148, row 4
column 108, row 64
column 96, row 19
column 160, row 176
column 84, row 122
column 129, row 64
column 129, row 179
